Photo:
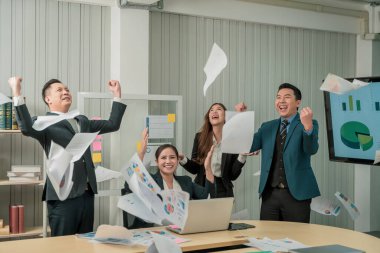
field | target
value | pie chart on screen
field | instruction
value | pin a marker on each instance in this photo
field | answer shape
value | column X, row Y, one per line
column 356, row 135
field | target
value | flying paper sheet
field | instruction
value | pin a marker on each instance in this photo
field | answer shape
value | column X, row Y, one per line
column 4, row 99
column 162, row 244
column 103, row 174
column 43, row 122
column 377, row 157
column 135, row 166
column 216, row 62
column 324, row 206
column 60, row 164
column 353, row 211
column 238, row 133
column 339, row 85
column 168, row 206
column 133, row 205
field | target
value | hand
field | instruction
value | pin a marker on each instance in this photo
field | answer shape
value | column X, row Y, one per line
column 252, row 153
column 306, row 116
column 15, row 84
column 114, row 87
column 207, row 164
column 240, row 107
column 181, row 156
column 144, row 144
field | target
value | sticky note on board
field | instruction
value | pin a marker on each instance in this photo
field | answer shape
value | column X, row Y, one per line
column 97, row 157
column 171, row 117
column 98, row 137
column 138, row 146
column 97, row 146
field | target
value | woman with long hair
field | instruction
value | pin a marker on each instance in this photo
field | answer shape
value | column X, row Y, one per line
column 225, row 167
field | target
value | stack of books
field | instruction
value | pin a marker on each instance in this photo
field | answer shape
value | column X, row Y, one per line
column 8, row 117
column 24, row 173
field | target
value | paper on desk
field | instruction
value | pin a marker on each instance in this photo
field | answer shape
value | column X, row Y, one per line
column 216, row 62
column 339, row 85
column 377, row 157
column 4, row 99
column 324, row 206
column 103, row 174
column 238, row 133
column 353, row 211
column 161, row 244
column 108, row 231
column 60, row 164
column 43, row 122
column 282, row 245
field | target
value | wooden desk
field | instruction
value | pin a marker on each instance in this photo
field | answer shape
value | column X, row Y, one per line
column 309, row 234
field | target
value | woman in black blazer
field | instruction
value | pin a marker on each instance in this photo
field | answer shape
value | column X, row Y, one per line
column 225, row 167
column 167, row 163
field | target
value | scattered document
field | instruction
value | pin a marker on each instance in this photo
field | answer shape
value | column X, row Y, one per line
column 102, row 174
column 108, row 231
column 324, row 206
column 216, row 62
column 160, row 127
column 377, row 157
column 60, row 163
column 148, row 201
column 349, row 205
column 339, row 85
column 43, row 122
column 4, row 99
column 238, row 133
column 281, row 245
column 162, row 244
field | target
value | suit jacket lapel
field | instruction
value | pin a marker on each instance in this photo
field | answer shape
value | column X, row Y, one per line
column 273, row 134
column 295, row 122
column 64, row 122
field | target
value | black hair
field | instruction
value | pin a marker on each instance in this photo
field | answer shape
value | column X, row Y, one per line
column 162, row 147
column 47, row 86
column 296, row 91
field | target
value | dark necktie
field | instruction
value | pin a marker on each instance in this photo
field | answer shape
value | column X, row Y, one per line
column 283, row 131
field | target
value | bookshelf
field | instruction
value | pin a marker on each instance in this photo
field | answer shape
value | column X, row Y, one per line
column 10, row 131
column 34, row 231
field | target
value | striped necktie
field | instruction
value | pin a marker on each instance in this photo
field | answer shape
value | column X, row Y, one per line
column 283, row 131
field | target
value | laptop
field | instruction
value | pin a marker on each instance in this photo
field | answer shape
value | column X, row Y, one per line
column 327, row 249
column 206, row 215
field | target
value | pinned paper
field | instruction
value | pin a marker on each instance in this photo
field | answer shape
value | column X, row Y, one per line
column 96, row 157
column 97, row 146
column 216, row 62
column 160, row 127
column 138, row 146
column 171, row 117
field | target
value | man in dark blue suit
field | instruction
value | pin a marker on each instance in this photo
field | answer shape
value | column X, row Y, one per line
column 287, row 181
column 76, row 213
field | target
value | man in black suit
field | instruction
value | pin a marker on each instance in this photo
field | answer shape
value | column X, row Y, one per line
column 76, row 213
